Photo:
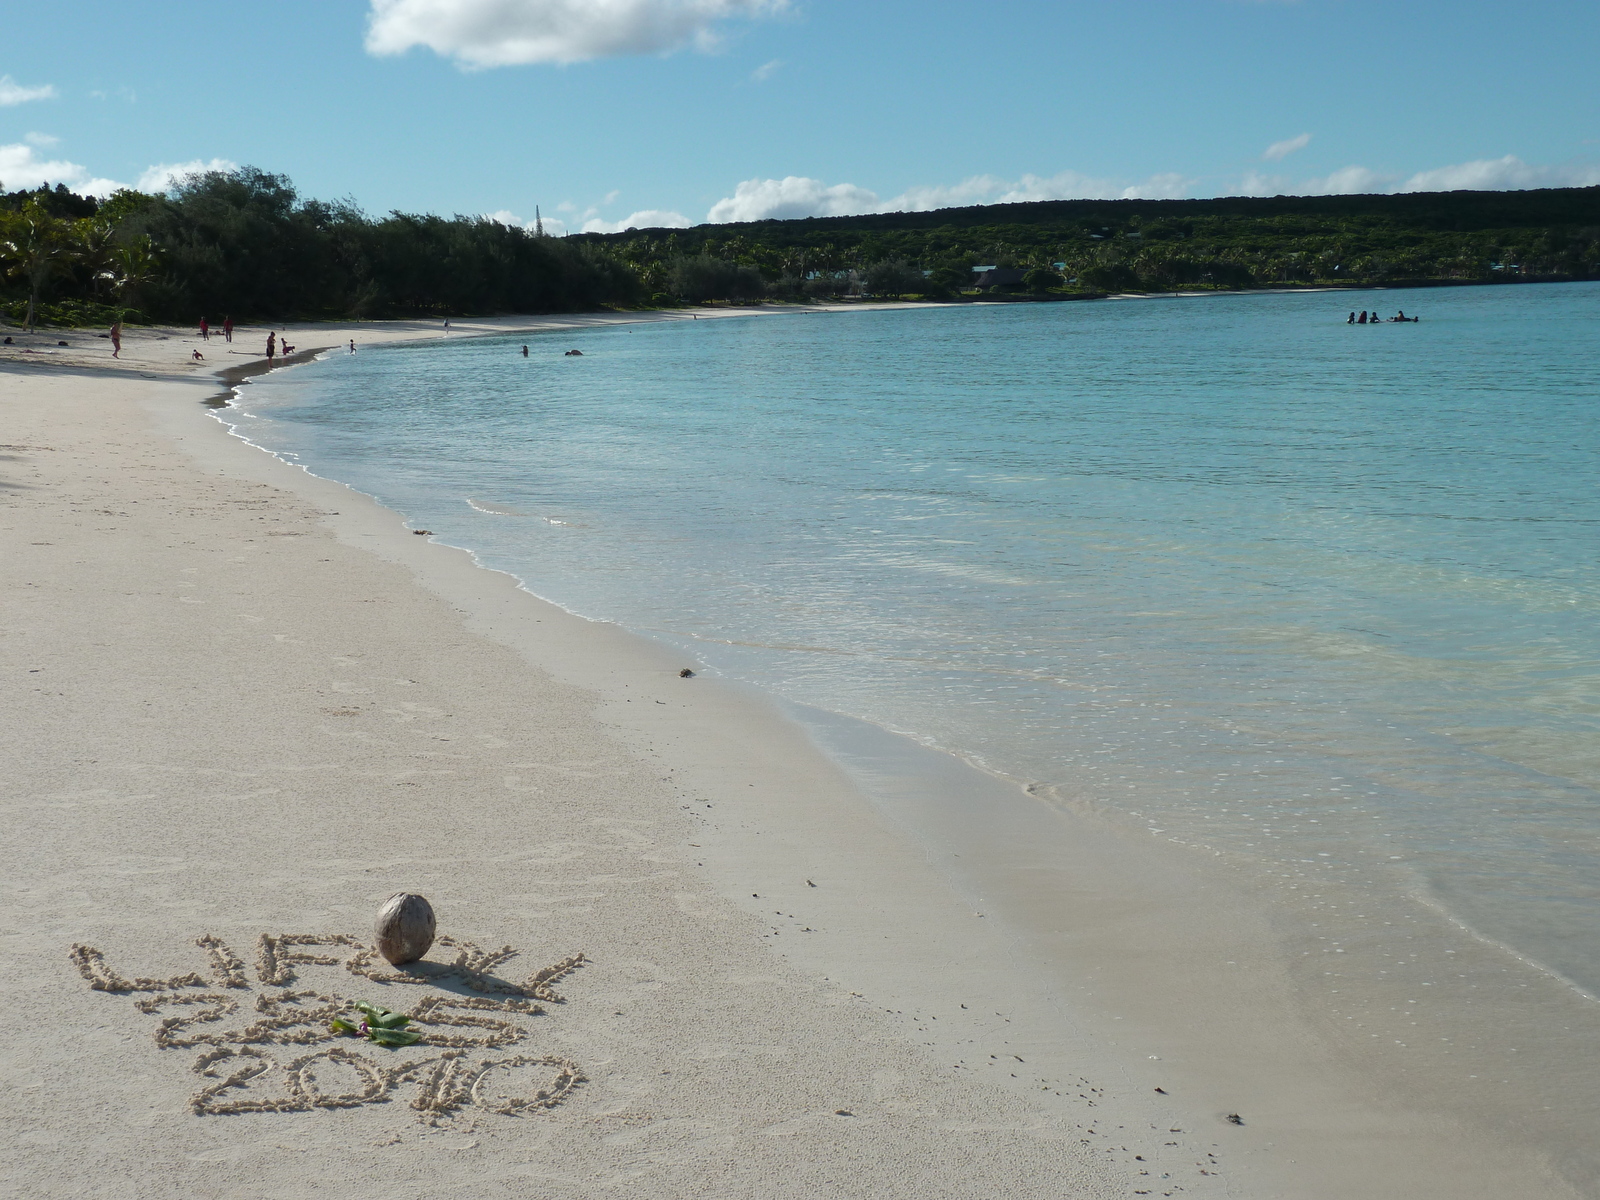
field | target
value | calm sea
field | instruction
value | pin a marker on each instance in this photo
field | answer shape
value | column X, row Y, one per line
column 1324, row 598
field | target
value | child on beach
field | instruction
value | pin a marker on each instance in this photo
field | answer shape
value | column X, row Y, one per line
column 116, row 339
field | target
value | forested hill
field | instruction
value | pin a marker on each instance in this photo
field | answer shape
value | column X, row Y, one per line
column 1234, row 241
column 245, row 243
column 1435, row 211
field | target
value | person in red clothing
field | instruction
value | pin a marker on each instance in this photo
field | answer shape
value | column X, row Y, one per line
column 227, row 329
column 205, row 330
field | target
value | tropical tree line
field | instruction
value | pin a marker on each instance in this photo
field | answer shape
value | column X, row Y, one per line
column 244, row 243
column 1069, row 247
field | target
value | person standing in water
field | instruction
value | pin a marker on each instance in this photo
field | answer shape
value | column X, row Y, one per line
column 524, row 352
column 272, row 346
column 352, row 345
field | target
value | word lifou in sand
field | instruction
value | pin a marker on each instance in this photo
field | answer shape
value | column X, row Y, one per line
column 245, row 1076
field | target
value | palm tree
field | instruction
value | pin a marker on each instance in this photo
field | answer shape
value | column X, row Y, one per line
column 35, row 245
column 135, row 265
column 95, row 252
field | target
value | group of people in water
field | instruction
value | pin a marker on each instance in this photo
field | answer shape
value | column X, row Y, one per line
column 1375, row 319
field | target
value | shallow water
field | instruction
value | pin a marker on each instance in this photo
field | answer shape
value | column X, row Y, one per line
column 1321, row 598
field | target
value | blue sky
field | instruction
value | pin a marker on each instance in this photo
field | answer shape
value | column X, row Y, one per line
column 606, row 112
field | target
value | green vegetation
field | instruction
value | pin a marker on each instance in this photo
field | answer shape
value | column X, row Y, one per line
column 377, row 1025
column 243, row 243
column 1084, row 246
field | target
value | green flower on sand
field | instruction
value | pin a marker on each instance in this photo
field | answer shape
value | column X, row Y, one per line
column 379, row 1025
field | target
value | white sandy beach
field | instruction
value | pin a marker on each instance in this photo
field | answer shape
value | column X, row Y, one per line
column 248, row 701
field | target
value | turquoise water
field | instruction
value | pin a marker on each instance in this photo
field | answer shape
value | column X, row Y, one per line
column 1321, row 598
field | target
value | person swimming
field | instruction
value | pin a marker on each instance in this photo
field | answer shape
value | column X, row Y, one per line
column 1362, row 320
column 1352, row 319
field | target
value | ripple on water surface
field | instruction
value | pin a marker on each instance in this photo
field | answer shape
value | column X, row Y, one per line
column 1319, row 597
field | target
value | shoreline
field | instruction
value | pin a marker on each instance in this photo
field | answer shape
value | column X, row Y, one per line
column 241, row 720
column 858, row 817
column 1210, row 918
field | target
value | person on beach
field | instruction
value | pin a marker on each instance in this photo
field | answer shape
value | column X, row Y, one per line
column 196, row 356
column 272, row 346
column 352, row 345
column 205, row 330
column 227, row 329
column 447, row 324
column 116, row 338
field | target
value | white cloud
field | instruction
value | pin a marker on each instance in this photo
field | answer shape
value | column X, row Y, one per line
column 650, row 218
column 41, row 140
column 1255, row 183
column 1279, row 151
column 12, row 92
column 1484, row 175
column 21, row 168
column 1066, row 185
column 163, row 176
column 498, row 33
column 1502, row 174
column 797, row 196
column 766, row 71
column 792, row 196
column 1347, row 181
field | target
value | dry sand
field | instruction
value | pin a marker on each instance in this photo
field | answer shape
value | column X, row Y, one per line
column 247, row 701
